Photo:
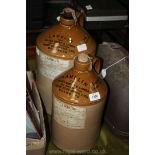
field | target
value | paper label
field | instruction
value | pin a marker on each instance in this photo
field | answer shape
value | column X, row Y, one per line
column 89, row 7
column 69, row 116
column 82, row 47
column 94, row 96
column 51, row 67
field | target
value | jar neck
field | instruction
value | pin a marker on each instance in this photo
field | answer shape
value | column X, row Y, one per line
column 67, row 22
column 82, row 65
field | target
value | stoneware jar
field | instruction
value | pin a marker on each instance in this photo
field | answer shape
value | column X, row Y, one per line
column 78, row 101
column 56, row 47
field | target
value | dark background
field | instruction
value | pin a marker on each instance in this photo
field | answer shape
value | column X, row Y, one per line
column 40, row 14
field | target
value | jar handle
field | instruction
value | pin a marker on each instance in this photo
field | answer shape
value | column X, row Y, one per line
column 80, row 17
column 97, row 64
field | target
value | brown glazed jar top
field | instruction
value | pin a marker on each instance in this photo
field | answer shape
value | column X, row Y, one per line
column 77, row 85
column 66, row 38
column 68, row 17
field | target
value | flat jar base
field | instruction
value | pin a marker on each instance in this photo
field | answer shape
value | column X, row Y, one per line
column 71, row 150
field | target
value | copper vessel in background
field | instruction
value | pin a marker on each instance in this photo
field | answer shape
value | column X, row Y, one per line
column 117, row 109
column 78, row 102
column 56, row 49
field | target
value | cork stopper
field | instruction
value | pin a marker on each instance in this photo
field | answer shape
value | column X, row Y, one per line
column 83, row 57
column 82, row 62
